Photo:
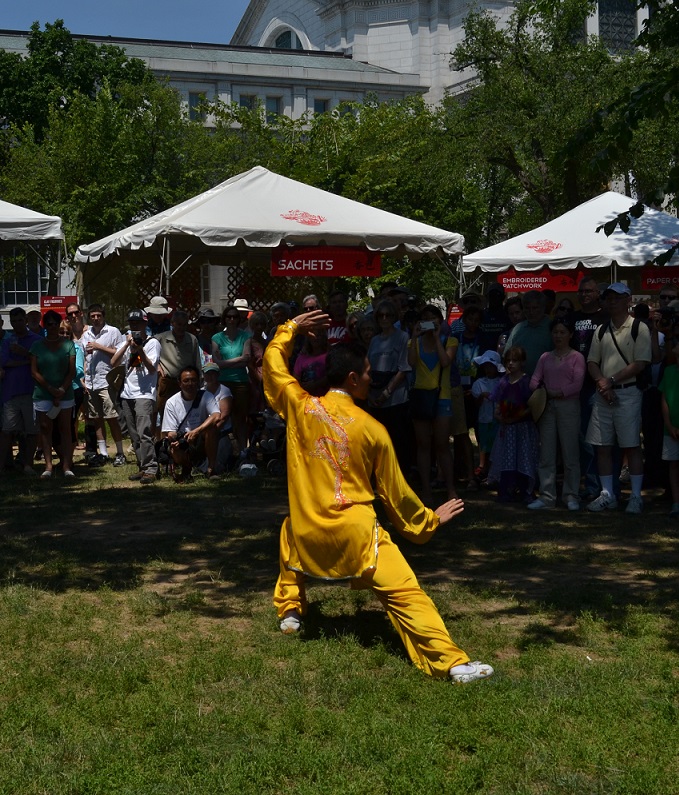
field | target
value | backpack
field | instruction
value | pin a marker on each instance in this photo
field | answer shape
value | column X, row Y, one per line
column 644, row 378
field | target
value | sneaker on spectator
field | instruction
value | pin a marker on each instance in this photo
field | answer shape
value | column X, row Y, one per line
column 604, row 502
column 136, row 476
column 572, row 504
column 635, row 505
column 537, row 505
column 146, row 478
column 119, row 460
column 97, row 460
column 624, row 474
column 674, row 510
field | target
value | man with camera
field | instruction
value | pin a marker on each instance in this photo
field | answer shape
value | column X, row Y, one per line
column 139, row 354
column 190, row 425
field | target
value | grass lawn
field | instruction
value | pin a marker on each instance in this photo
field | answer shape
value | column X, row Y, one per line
column 140, row 651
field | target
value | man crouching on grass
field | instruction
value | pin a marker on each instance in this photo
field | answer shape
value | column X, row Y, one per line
column 334, row 449
column 190, row 423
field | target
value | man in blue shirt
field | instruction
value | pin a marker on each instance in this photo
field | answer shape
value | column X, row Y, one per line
column 17, row 389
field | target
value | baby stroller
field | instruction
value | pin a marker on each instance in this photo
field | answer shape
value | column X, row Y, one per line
column 267, row 442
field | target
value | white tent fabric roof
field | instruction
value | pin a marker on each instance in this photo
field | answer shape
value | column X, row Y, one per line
column 20, row 223
column 264, row 209
column 571, row 239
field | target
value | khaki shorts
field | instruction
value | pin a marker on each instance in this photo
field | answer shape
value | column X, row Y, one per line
column 99, row 405
column 18, row 415
column 620, row 421
column 670, row 449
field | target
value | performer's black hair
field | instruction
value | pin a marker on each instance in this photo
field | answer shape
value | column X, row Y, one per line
column 342, row 359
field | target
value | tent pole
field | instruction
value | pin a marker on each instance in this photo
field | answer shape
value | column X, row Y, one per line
column 167, row 268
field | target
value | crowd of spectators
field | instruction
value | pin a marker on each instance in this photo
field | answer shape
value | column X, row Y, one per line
column 544, row 401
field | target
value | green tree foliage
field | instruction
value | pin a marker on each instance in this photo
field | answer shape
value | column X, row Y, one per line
column 539, row 80
column 104, row 162
column 56, row 69
column 641, row 114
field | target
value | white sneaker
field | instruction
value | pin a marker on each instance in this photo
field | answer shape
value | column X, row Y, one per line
column 624, row 475
column 537, row 505
column 470, row 672
column 604, row 502
column 635, row 505
column 573, row 504
column 291, row 623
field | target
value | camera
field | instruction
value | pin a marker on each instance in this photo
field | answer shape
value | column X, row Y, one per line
column 182, row 442
column 427, row 325
column 137, row 337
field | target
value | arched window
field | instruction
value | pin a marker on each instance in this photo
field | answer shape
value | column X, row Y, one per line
column 288, row 40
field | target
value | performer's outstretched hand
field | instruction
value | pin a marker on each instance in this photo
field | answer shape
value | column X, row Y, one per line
column 310, row 322
column 449, row 509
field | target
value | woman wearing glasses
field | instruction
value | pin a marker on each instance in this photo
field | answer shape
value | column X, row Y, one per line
column 231, row 352
column 53, row 370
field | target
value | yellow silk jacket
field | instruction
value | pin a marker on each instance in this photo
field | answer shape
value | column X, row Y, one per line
column 333, row 449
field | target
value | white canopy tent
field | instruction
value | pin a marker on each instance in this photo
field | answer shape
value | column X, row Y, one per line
column 22, row 229
column 19, row 223
column 571, row 240
column 261, row 210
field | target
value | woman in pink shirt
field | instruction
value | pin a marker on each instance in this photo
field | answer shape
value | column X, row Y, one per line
column 562, row 371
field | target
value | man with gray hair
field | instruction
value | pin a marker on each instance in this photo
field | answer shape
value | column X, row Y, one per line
column 310, row 303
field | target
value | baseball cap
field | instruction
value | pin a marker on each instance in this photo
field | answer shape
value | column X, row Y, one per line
column 136, row 314
column 619, row 288
column 210, row 367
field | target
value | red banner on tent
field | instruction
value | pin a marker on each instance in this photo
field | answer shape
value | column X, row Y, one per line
column 565, row 281
column 57, row 302
column 325, row 261
column 654, row 278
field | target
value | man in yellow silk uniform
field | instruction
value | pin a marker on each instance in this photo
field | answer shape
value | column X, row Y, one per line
column 334, row 449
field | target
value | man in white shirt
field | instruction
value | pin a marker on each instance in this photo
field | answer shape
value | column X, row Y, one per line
column 139, row 354
column 189, row 425
column 220, row 400
column 101, row 342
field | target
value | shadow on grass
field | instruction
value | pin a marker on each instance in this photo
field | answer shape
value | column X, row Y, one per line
column 204, row 543
column 57, row 536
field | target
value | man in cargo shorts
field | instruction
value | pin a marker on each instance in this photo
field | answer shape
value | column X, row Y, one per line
column 620, row 351
column 101, row 341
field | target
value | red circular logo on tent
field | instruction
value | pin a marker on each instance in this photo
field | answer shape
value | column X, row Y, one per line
column 544, row 246
column 303, row 217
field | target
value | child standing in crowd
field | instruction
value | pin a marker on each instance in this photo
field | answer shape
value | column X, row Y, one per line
column 669, row 387
column 515, row 451
column 489, row 366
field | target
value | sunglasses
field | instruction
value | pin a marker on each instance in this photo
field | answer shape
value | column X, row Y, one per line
column 667, row 297
column 73, row 314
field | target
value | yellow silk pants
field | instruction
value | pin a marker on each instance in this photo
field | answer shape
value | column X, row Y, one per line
column 411, row 611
